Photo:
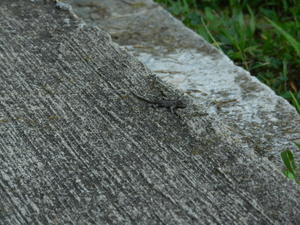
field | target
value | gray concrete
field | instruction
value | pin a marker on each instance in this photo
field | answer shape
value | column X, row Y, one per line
column 179, row 56
column 77, row 147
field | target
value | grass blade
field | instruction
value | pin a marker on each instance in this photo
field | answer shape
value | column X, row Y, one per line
column 292, row 41
column 288, row 159
column 295, row 102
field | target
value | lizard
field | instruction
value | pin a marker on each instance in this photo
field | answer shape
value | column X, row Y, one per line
column 169, row 104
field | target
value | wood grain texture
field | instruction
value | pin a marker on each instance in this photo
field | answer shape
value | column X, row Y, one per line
column 77, row 148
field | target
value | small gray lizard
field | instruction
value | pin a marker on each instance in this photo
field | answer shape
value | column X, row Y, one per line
column 169, row 104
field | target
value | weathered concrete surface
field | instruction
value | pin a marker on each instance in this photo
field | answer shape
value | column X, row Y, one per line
column 77, row 148
column 176, row 54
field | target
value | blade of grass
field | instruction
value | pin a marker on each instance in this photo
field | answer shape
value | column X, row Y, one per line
column 295, row 102
column 288, row 159
column 292, row 41
column 251, row 21
column 215, row 43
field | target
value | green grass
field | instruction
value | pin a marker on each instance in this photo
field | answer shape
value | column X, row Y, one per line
column 263, row 36
column 291, row 170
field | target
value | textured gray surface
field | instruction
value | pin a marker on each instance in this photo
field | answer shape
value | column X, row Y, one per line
column 77, row 148
column 183, row 58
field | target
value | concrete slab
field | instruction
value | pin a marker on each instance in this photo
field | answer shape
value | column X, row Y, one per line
column 77, row 147
column 181, row 57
